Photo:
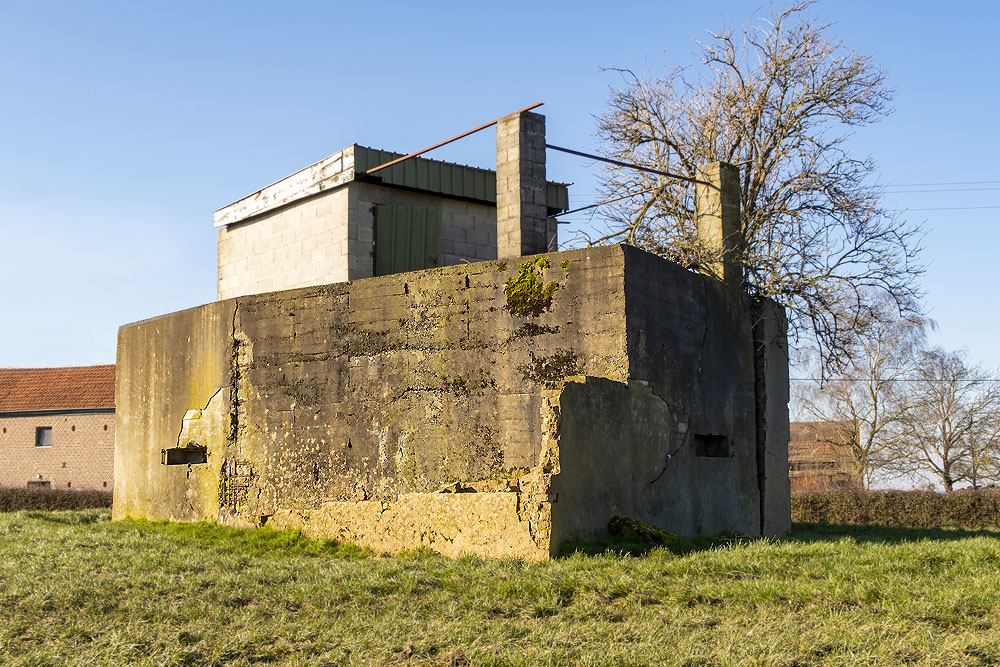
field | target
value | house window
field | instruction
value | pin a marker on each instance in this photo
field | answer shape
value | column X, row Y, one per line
column 43, row 436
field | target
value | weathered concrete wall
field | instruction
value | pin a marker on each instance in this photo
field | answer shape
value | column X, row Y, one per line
column 633, row 449
column 81, row 456
column 432, row 408
column 169, row 366
column 368, row 391
column 771, row 337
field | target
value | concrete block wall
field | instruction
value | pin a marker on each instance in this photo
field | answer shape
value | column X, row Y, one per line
column 327, row 238
column 81, row 456
column 523, row 227
column 304, row 243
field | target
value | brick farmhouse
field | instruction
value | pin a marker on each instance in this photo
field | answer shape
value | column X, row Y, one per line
column 57, row 427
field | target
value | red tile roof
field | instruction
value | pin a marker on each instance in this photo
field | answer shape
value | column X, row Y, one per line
column 66, row 388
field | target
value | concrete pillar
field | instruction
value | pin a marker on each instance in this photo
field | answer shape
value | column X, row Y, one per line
column 720, row 231
column 522, row 225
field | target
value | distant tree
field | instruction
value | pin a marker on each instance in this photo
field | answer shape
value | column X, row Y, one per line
column 779, row 100
column 864, row 395
column 950, row 427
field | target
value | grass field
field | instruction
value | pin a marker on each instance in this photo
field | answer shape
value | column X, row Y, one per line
column 76, row 588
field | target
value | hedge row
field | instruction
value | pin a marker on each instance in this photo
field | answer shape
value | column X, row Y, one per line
column 12, row 500
column 971, row 510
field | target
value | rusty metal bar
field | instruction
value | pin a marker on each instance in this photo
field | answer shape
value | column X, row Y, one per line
column 630, row 166
column 448, row 141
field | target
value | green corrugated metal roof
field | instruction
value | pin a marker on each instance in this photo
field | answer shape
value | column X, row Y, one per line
column 445, row 178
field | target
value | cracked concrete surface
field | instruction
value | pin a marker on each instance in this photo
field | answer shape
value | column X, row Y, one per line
column 418, row 410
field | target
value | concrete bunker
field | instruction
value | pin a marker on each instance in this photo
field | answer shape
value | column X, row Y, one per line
column 500, row 407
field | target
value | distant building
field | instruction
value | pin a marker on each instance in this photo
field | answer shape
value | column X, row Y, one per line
column 816, row 460
column 57, row 427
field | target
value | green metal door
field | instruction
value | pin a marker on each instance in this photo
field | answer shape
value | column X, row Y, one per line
column 407, row 238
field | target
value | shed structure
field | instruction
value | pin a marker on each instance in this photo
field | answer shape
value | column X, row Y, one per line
column 330, row 222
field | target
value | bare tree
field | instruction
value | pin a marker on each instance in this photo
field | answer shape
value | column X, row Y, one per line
column 864, row 398
column 984, row 455
column 950, row 429
column 779, row 100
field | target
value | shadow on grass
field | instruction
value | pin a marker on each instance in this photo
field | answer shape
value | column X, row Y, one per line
column 821, row 532
column 71, row 517
column 623, row 547
column 801, row 532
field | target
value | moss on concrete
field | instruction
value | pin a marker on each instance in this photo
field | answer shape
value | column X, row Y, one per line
column 553, row 368
column 527, row 294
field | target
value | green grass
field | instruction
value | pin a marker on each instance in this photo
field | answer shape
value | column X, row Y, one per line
column 77, row 588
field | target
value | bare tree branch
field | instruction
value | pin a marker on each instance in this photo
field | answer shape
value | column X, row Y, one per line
column 779, row 100
column 866, row 397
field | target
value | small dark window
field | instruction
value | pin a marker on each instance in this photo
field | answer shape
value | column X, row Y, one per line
column 178, row 456
column 105, row 427
column 105, row 485
column 4, row 429
column 712, row 445
column 43, row 436
column 69, row 485
column 73, row 428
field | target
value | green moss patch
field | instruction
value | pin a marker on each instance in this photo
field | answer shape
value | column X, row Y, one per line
column 527, row 294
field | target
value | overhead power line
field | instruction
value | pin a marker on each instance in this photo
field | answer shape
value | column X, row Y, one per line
column 828, row 380
column 602, row 203
column 628, row 165
column 920, row 192
column 947, row 208
column 921, row 185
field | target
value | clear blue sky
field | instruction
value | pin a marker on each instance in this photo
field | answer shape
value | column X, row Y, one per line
column 124, row 125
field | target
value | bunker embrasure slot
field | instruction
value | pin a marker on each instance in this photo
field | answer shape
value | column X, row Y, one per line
column 711, row 445
column 186, row 455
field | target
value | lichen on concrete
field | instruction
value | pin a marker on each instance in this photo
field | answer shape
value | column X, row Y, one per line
column 551, row 368
column 527, row 294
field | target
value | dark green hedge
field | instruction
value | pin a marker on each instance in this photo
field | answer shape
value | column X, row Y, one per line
column 12, row 500
column 971, row 510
